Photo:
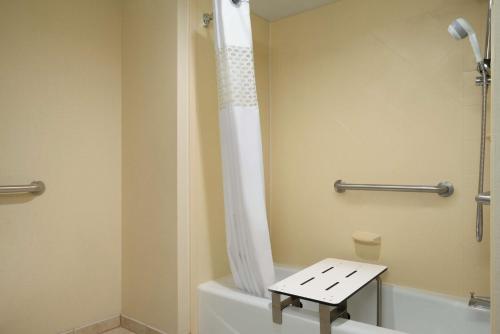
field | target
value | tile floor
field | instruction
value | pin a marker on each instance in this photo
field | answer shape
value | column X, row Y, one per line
column 119, row 331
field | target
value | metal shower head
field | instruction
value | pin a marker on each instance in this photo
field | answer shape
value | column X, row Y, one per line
column 460, row 29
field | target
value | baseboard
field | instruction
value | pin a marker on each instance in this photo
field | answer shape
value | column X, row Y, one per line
column 123, row 321
column 137, row 326
column 98, row 327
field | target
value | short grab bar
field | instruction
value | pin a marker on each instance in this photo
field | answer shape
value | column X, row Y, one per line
column 35, row 188
column 443, row 189
column 484, row 198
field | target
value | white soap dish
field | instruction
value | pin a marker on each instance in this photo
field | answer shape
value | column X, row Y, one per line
column 367, row 238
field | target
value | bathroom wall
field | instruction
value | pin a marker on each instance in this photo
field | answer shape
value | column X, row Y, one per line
column 149, row 163
column 208, row 244
column 374, row 91
column 60, row 122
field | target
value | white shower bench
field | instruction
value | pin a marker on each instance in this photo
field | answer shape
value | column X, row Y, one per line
column 330, row 283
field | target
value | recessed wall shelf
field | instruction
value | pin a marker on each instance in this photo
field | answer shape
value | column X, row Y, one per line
column 367, row 238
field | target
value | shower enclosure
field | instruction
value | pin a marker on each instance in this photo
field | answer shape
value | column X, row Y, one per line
column 331, row 111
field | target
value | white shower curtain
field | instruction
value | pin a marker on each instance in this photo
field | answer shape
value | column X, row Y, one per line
column 248, row 243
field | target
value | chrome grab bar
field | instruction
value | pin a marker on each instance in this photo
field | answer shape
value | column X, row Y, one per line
column 444, row 189
column 484, row 198
column 35, row 188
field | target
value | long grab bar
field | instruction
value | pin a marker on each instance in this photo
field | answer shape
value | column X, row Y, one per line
column 443, row 189
column 35, row 188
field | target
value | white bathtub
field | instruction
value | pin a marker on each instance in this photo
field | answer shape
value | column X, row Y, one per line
column 223, row 309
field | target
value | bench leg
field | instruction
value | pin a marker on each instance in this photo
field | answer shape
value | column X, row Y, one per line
column 278, row 306
column 277, row 315
column 379, row 302
column 325, row 320
column 328, row 315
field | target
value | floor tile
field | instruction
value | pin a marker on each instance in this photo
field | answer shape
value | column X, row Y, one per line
column 119, row 331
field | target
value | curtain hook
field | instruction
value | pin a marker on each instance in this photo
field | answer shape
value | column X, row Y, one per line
column 207, row 18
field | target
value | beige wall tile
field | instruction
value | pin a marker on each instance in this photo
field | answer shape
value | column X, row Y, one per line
column 149, row 245
column 60, row 122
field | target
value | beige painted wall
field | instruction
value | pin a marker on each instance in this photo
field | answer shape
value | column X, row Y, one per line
column 149, row 162
column 377, row 91
column 60, row 122
column 208, row 244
